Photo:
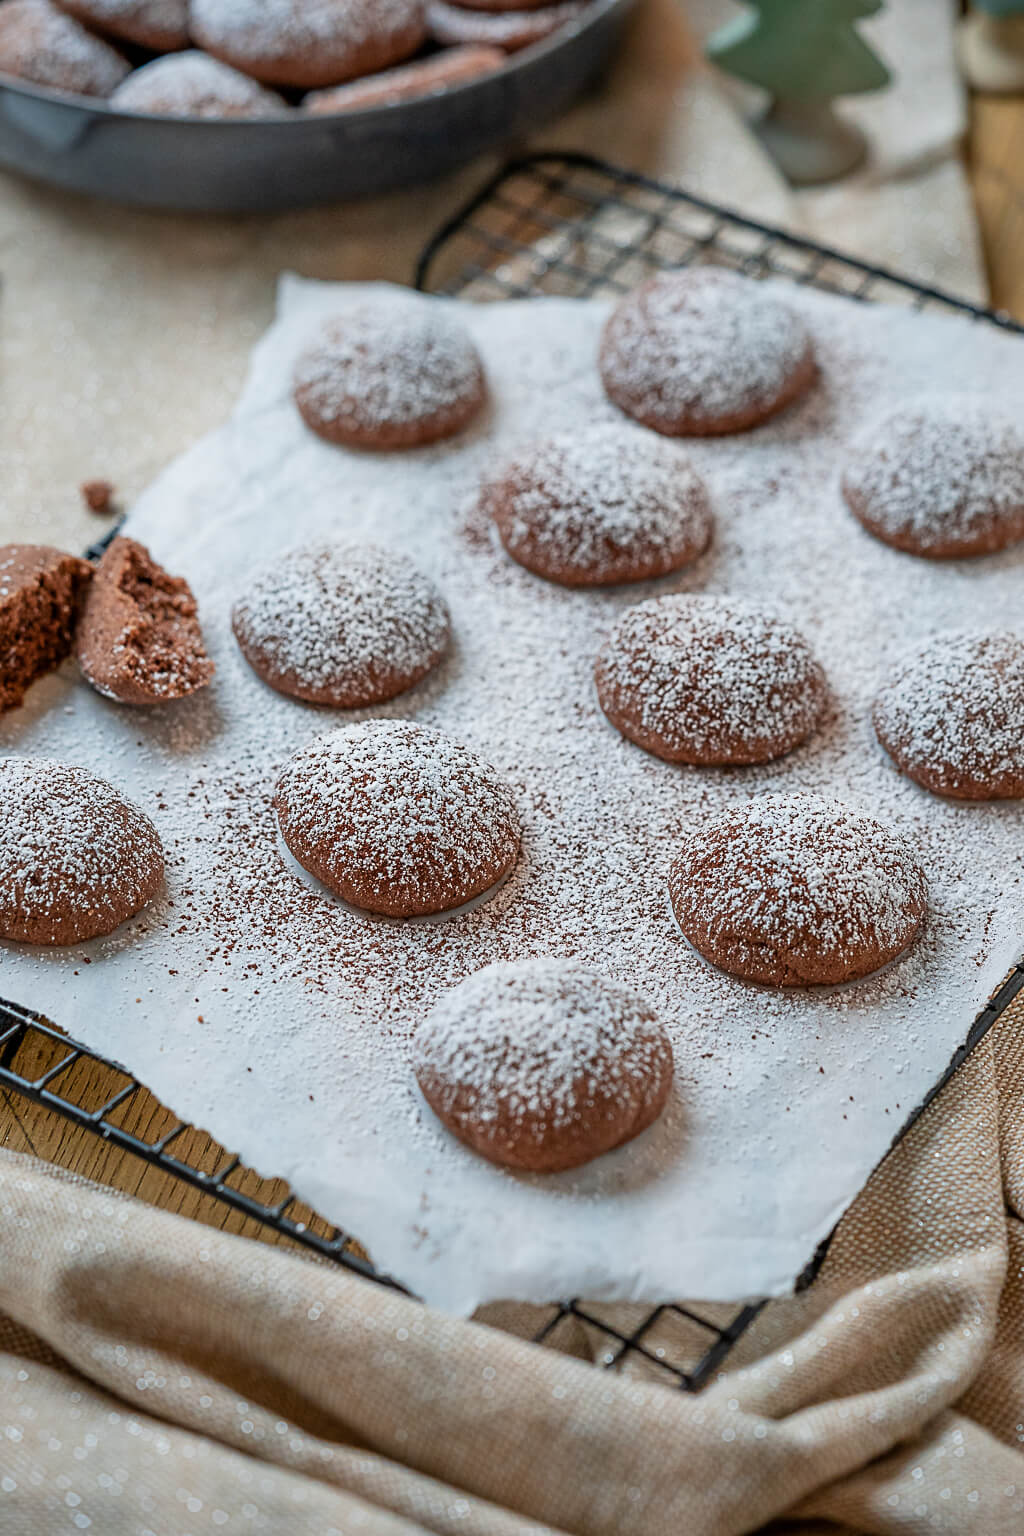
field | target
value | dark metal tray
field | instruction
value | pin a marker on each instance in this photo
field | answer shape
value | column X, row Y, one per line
column 82, row 144
column 570, row 225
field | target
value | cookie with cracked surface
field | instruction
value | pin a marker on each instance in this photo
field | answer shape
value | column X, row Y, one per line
column 77, row 859
column 796, row 890
column 543, row 1065
column 602, row 505
column 397, row 818
column 703, row 352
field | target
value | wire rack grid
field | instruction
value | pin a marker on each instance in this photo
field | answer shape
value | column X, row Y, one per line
column 551, row 224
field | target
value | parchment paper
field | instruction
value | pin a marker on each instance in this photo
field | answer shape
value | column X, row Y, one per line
column 256, row 1006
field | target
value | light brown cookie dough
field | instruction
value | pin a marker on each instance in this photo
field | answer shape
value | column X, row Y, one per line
column 139, row 639
column 426, row 77
column 41, row 595
column 160, row 25
column 604, row 504
column 795, row 890
column 543, row 1065
column 397, row 818
column 76, row 858
column 508, row 30
column 41, row 44
column 703, row 351
column 951, row 717
column 347, row 626
column 710, row 680
column 390, row 375
column 308, row 43
column 940, row 477
column 192, row 84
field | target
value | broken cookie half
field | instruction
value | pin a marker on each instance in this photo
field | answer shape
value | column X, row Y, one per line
column 41, row 595
column 139, row 639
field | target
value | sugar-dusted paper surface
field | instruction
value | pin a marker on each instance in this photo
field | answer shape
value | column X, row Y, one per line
column 256, row 1006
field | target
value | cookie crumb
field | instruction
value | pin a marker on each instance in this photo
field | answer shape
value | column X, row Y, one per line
column 98, row 496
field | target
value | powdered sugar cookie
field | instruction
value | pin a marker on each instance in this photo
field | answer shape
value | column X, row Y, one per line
column 508, row 30
column 940, row 477
column 607, row 503
column 308, row 43
column 793, row 890
column 192, row 84
column 76, row 858
column 345, row 626
column 390, row 375
column 704, row 351
column 41, row 44
column 952, row 716
column 161, row 25
column 709, row 680
column 397, row 818
column 426, row 77
column 543, row 1065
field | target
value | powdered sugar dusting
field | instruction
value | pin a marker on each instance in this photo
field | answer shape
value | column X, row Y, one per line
column 702, row 344
column 710, row 679
column 940, row 475
column 953, row 714
column 193, row 84
column 600, row 505
column 41, row 44
column 388, row 366
column 399, row 814
column 342, row 624
column 727, row 1193
column 72, row 850
column 532, row 1043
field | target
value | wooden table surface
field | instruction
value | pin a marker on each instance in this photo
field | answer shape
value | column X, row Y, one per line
column 995, row 158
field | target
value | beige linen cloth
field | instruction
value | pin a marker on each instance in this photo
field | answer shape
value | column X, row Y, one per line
column 161, row 1379
column 158, row 1377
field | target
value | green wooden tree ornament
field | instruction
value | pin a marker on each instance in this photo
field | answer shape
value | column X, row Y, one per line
column 804, row 53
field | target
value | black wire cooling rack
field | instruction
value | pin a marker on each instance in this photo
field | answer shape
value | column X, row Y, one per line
column 551, row 224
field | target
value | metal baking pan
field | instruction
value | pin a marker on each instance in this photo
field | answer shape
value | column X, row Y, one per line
column 81, row 143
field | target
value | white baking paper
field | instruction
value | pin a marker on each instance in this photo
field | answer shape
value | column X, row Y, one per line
column 258, row 1007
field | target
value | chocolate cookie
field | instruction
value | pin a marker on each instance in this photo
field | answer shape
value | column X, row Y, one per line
column 425, row 77
column 41, row 44
column 709, row 680
column 345, row 626
column 704, row 351
column 508, row 30
column 794, row 890
column 308, row 43
column 41, row 595
column 943, row 478
column 193, row 84
column 605, row 504
column 543, row 1065
column 397, row 818
column 76, row 858
column 390, row 375
column 160, row 25
column 952, row 716
column 139, row 639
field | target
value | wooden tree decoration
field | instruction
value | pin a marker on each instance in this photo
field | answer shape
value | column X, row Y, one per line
column 990, row 46
column 804, row 53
